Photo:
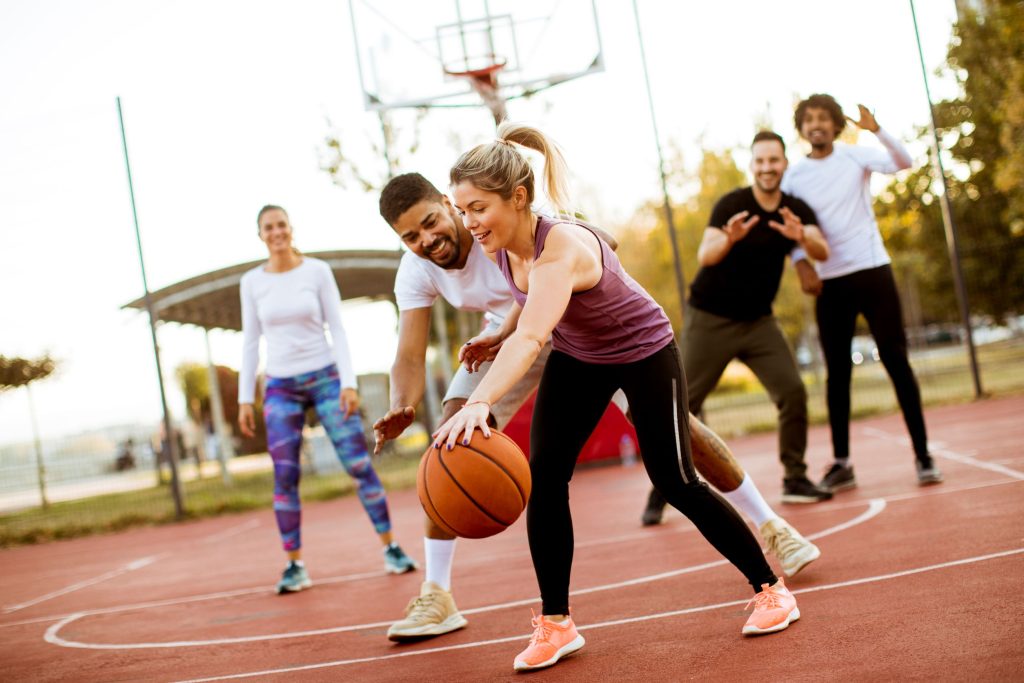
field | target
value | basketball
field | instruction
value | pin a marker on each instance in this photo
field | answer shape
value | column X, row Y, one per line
column 474, row 491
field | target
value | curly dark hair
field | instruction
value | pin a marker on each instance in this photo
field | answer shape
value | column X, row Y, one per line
column 402, row 193
column 820, row 101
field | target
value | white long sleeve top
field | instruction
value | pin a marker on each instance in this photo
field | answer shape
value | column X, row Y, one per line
column 289, row 309
column 837, row 188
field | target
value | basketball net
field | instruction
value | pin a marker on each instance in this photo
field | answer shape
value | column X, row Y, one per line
column 485, row 83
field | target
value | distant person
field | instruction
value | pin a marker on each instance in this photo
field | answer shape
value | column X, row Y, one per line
column 126, row 457
column 607, row 334
column 288, row 300
column 445, row 261
column 834, row 180
column 729, row 314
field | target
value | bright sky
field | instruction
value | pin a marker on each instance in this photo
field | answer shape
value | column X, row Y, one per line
column 225, row 106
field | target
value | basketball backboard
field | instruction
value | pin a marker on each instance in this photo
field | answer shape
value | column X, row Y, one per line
column 408, row 51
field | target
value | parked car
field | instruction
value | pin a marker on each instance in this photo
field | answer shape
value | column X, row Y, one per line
column 863, row 349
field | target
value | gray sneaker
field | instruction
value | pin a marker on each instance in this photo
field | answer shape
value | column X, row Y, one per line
column 293, row 579
column 396, row 561
column 928, row 473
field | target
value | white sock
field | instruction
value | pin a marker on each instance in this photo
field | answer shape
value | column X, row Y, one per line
column 748, row 500
column 439, row 561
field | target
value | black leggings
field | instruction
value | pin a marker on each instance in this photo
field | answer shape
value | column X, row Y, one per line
column 571, row 399
column 873, row 293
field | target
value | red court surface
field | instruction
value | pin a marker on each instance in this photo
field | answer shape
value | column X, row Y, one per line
column 913, row 584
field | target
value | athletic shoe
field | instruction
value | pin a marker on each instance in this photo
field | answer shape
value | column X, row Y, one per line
column 928, row 473
column 396, row 561
column 293, row 579
column 802, row 490
column 550, row 642
column 838, row 478
column 793, row 551
column 654, row 510
column 774, row 609
column 431, row 614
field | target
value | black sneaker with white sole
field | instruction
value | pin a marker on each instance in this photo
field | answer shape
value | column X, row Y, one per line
column 838, row 478
column 803, row 490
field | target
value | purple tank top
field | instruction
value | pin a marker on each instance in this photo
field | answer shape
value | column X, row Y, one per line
column 615, row 321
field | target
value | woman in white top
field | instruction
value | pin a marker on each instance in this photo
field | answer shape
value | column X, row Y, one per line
column 287, row 301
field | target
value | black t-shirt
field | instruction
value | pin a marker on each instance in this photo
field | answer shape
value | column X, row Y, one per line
column 743, row 285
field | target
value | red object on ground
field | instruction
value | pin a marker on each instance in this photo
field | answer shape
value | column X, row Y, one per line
column 603, row 444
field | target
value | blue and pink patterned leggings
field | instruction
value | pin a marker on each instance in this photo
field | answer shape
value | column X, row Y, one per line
column 284, row 410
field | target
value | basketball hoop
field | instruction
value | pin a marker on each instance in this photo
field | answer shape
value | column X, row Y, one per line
column 485, row 82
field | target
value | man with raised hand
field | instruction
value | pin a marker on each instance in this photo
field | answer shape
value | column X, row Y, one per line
column 834, row 180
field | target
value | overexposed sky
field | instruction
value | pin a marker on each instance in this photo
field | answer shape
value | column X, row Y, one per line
column 226, row 104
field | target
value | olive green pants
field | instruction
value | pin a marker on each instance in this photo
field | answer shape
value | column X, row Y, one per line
column 710, row 341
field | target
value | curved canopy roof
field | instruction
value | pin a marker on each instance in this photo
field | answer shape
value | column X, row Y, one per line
column 212, row 300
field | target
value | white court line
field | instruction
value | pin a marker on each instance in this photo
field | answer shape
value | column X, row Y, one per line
column 831, row 507
column 232, row 531
column 131, row 566
column 874, row 508
column 616, row 622
column 937, row 449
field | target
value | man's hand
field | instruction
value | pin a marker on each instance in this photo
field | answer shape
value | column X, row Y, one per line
column 247, row 420
column 480, row 349
column 809, row 280
column 867, row 120
column 737, row 228
column 349, row 402
column 391, row 426
column 792, row 227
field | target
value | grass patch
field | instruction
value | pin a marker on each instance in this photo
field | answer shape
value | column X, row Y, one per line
column 203, row 498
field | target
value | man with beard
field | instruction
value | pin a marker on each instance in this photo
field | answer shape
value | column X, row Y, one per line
column 729, row 313
column 834, row 180
column 445, row 261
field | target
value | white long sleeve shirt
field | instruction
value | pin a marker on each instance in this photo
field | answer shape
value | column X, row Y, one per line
column 289, row 309
column 837, row 188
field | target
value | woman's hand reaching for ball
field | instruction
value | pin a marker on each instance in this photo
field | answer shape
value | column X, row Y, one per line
column 472, row 416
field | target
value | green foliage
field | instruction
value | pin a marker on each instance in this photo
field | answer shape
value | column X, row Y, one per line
column 645, row 249
column 194, row 380
column 18, row 372
column 981, row 129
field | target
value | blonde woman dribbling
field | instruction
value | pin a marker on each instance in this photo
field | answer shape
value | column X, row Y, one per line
column 607, row 334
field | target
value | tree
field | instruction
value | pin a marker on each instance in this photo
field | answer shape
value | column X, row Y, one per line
column 21, row 372
column 981, row 130
column 193, row 378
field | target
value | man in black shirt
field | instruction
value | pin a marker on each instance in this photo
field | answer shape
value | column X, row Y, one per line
column 729, row 313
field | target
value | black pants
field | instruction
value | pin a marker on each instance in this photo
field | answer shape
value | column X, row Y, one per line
column 873, row 293
column 570, row 401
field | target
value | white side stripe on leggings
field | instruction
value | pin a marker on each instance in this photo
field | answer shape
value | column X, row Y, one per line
column 675, row 425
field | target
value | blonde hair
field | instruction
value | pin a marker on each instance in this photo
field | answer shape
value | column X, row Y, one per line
column 500, row 168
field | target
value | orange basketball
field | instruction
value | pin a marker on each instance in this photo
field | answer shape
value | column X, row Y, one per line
column 477, row 490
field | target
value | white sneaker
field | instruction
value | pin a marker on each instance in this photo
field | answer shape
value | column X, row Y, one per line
column 793, row 551
column 431, row 614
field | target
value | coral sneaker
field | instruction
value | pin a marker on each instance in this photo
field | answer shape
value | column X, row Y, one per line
column 774, row 609
column 551, row 641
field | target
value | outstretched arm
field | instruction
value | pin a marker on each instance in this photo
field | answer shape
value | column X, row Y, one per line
column 564, row 260
column 408, row 378
column 896, row 157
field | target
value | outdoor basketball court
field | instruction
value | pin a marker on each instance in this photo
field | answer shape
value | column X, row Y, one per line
column 913, row 583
